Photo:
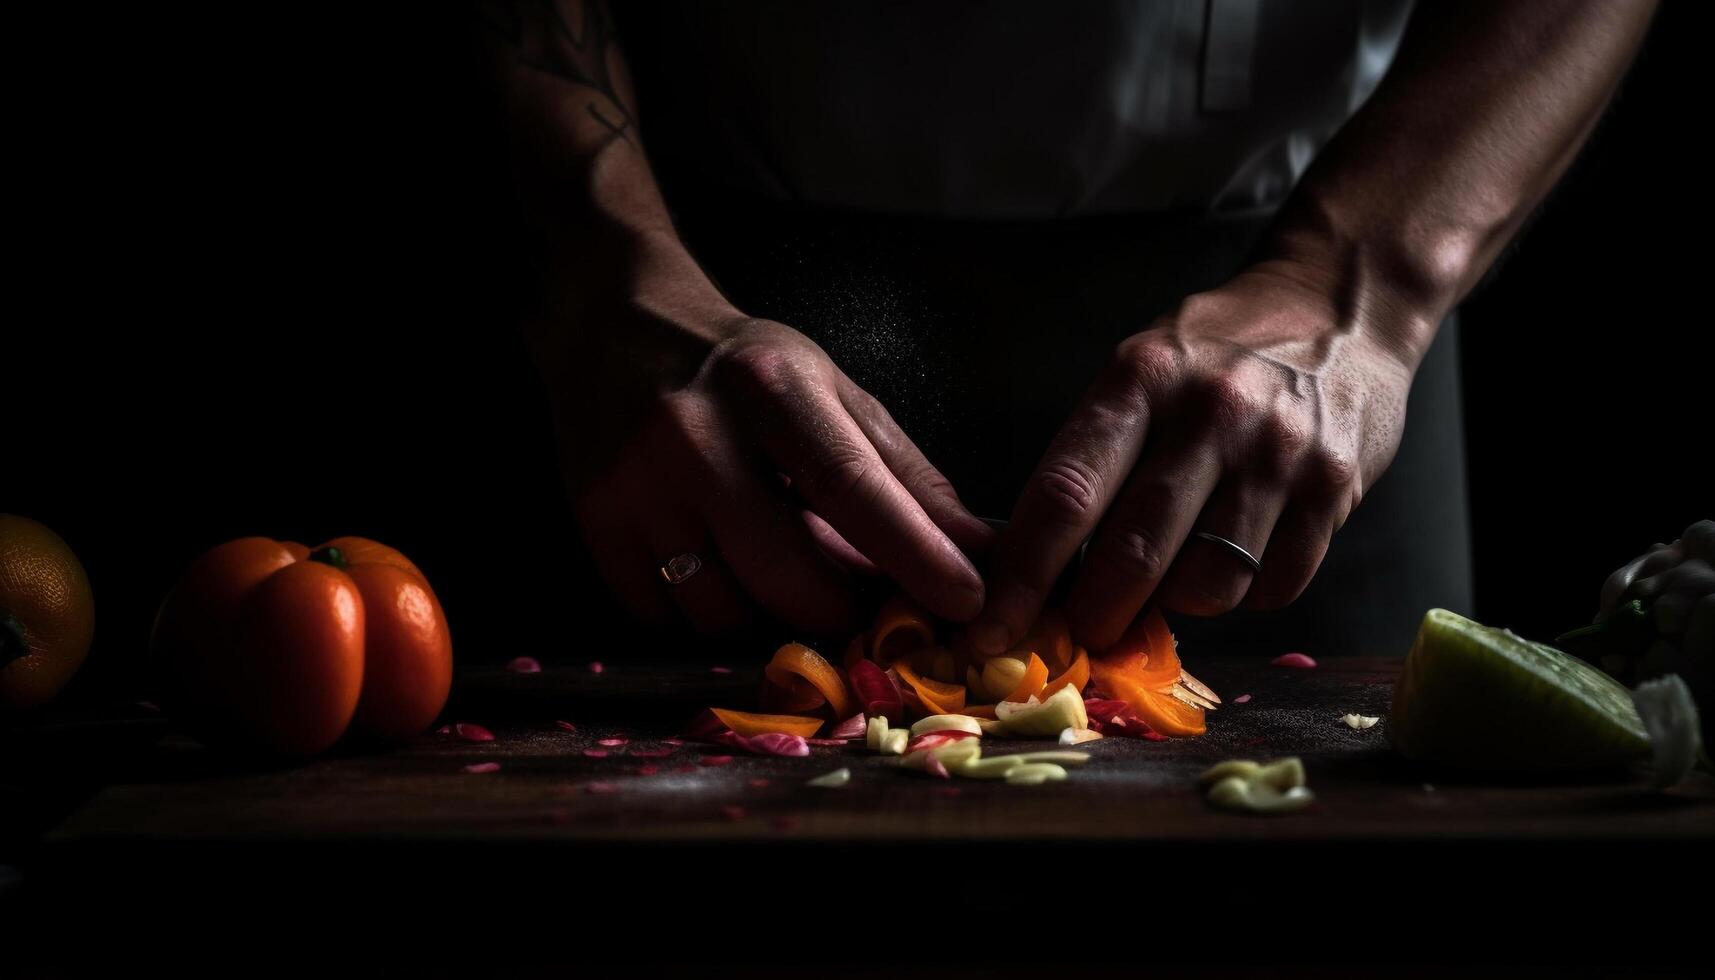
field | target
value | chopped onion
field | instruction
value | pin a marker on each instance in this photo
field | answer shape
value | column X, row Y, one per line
column 612, row 742
column 1670, row 716
column 876, row 690
column 480, row 767
column 720, row 670
column 1078, row 736
column 1360, row 722
column 596, row 667
column 853, row 727
column 596, row 753
column 941, row 723
column 1241, row 699
column 767, row 743
column 525, row 665
column 565, row 726
column 1298, row 660
column 714, row 760
column 832, row 780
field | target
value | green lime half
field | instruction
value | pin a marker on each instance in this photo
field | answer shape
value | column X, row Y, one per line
column 1482, row 698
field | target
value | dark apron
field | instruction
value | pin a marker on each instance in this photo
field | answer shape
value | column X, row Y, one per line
column 981, row 336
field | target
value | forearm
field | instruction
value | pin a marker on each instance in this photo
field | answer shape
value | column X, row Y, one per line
column 1486, row 106
column 609, row 247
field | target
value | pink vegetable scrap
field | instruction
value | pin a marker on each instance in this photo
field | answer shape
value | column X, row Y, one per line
column 720, row 670
column 525, row 665
column 759, row 782
column 596, row 667
column 565, row 726
column 600, row 788
column 612, row 742
column 1241, row 699
column 481, row 767
column 472, row 733
column 1297, row 660
column 715, row 760
column 596, row 753
column 766, row 743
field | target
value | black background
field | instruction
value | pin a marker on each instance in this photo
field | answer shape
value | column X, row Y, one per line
column 266, row 274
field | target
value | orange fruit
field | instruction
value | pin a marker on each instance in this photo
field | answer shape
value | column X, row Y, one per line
column 47, row 613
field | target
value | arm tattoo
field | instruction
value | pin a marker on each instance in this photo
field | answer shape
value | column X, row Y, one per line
column 545, row 38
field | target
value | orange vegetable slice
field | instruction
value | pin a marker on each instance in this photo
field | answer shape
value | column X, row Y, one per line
column 752, row 723
column 1141, row 670
column 901, row 628
column 1035, row 675
column 934, row 696
column 1075, row 676
column 794, row 661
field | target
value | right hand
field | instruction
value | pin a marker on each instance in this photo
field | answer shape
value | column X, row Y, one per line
column 780, row 474
column 1677, row 582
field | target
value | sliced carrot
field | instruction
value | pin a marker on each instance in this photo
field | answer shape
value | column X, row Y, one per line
column 1141, row 670
column 1035, row 675
column 794, row 661
column 901, row 628
column 1075, row 676
column 935, row 697
column 752, row 723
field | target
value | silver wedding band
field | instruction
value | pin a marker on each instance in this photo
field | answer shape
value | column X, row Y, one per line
column 680, row 567
column 1237, row 551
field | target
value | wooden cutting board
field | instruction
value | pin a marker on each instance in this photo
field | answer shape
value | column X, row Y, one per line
column 561, row 827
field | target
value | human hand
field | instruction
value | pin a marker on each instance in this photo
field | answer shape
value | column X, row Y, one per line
column 1259, row 411
column 700, row 472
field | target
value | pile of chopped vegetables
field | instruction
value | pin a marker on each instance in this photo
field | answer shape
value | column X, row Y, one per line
column 908, row 693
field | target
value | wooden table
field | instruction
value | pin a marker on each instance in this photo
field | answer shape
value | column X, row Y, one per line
column 650, row 824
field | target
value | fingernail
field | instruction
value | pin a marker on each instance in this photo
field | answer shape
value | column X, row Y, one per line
column 988, row 638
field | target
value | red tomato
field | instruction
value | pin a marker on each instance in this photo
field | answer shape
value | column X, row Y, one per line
column 268, row 644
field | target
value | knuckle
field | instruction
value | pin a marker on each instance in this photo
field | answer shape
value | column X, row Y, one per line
column 1228, row 400
column 1282, row 441
column 1331, row 473
column 841, row 472
column 1134, row 553
column 758, row 368
column 1142, row 364
column 1068, row 490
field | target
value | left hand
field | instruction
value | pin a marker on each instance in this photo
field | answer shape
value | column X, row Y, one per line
column 1260, row 411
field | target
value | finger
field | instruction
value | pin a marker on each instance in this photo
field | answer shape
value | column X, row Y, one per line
column 710, row 599
column 1699, row 642
column 1071, row 488
column 1658, row 558
column 1206, row 579
column 838, row 472
column 1137, row 543
column 764, row 540
column 628, row 569
column 1698, row 541
column 1676, row 592
column 1294, row 552
column 932, row 491
column 838, row 548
